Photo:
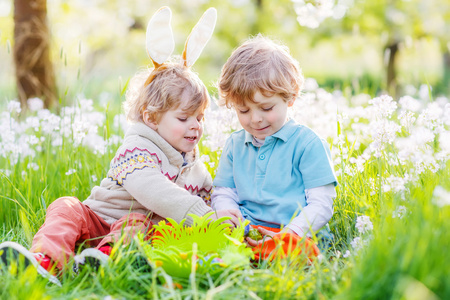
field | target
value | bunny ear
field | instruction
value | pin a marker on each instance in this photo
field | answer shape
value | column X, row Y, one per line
column 159, row 37
column 199, row 36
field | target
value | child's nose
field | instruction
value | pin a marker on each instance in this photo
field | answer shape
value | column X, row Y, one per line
column 195, row 124
column 256, row 117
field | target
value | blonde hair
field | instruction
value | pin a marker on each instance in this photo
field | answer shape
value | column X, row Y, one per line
column 171, row 81
column 259, row 64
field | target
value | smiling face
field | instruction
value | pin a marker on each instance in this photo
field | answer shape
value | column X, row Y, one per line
column 180, row 128
column 264, row 116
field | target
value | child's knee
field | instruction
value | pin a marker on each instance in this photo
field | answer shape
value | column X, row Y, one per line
column 65, row 204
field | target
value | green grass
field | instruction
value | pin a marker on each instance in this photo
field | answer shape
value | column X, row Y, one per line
column 404, row 258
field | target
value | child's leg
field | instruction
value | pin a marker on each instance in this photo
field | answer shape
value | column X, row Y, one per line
column 68, row 222
column 129, row 226
column 126, row 227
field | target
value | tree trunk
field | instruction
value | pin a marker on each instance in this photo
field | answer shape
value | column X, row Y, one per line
column 34, row 70
column 391, row 72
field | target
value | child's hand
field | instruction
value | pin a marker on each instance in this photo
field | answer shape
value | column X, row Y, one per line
column 252, row 243
column 235, row 215
column 265, row 232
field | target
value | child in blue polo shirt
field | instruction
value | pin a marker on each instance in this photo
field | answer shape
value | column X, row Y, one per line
column 278, row 173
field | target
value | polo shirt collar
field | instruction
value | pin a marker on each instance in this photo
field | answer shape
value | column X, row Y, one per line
column 283, row 134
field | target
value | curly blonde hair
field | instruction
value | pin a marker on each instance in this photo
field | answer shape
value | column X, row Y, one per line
column 259, row 65
column 168, row 84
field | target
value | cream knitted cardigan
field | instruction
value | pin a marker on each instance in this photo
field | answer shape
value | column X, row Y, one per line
column 147, row 176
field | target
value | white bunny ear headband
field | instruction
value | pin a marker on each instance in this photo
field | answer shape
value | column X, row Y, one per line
column 160, row 43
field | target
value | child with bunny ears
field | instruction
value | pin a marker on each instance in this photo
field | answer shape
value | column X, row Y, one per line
column 155, row 174
column 276, row 172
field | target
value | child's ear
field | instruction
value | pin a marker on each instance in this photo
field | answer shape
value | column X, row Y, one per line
column 291, row 102
column 148, row 121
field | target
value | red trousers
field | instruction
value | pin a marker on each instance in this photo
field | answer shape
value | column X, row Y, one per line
column 69, row 223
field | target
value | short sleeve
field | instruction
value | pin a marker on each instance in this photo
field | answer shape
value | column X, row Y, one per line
column 316, row 165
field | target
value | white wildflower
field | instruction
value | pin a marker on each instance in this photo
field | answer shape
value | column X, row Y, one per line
column 407, row 119
column 32, row 139
column 383, row 106
column 205, row 158
column 359, row 162
column 114, row 140
column 424, row 92
column 94, row 178
column 431, row 118
column 14, row 106
column 400, row 212
column 441, row 197
column 79, row 132
column 95, row 142
column 33, row 122
column 218, row 125
column 120, row 122
column 35, row 104
column 363, row 224
column 49, row 121
column 33, row 165
column 444, row 141
column 57, row 141
column 70, row 172
column 357, row 243
column 410, row 89
column 408, row 103
column 360, row 100
column 446, row 117
column 383, row 133
column 86, row 105
column 310, row 85
column 347, row 254
column 395, row 184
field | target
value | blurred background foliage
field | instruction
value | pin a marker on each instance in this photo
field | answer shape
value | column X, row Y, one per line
column 97, row 45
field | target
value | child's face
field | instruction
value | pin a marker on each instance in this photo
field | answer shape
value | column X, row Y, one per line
column 180, row 129
column 264, row 117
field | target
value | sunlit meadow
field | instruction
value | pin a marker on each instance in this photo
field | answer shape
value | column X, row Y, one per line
column 390, row 223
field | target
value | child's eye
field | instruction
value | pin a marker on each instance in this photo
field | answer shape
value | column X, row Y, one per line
column 243, row 111
column 182, row 119
column 267, row 109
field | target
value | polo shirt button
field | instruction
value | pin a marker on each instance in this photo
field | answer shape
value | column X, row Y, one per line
column 262, row 156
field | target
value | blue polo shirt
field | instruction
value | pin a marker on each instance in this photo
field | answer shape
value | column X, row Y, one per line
column 271, row 180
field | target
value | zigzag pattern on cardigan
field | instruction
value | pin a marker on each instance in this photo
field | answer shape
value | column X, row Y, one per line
column 196, row 189
column 132, row 151
column 136, row 161
column 140, row 161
